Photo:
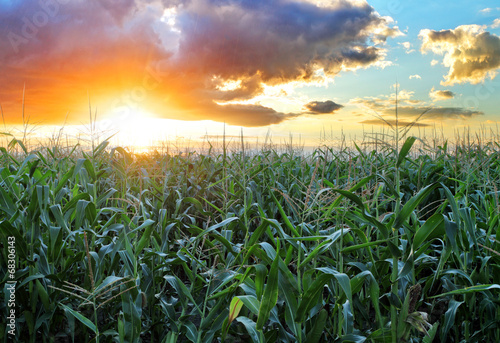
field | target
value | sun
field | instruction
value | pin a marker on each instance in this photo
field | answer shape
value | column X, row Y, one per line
column 143, row 130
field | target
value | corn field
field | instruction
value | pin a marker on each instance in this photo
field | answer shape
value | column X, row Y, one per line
column 397, row 244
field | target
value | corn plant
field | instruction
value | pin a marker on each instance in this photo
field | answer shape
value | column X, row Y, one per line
column 380, row 242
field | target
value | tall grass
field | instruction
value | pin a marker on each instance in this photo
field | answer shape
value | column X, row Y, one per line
column 373, row 242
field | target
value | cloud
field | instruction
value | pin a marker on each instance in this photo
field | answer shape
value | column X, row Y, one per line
column 175, row 58
column 416, row 76
column 434, row 62
column 471, row 53
column 278, row 40
column 488, row 10
column 408, row 107
column 496, row 23
column 436, row 95
column 248, row 115
column 322, row 107
column 393, row 123
column 407, row 46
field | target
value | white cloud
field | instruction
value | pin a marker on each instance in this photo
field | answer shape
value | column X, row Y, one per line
column 488, row 10
column 407, row 46
column 471, row 53
column 416, row 76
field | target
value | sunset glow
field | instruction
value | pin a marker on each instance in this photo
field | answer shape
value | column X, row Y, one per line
column 154, row 69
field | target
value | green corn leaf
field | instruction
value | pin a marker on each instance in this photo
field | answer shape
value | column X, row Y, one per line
column 467, row 290
column 449, row 318
column 182, row 291
column 72, row 203
column 251, row 302
column 42, row 293
column 431, row 334
column 252, row 330
column 337, row 201
column 216, row 226
column 285, row 217
column 196, row 203
column 260, row 275
column 309, row 298
column 101, row 147
column 258, row 233
column 270, row 297
column 353, row 338
column 89, row 168
column 191, row 332
column 322, row 247
column 145, row 238
column 452, row 202
column 405, row 149
column 290, row 296
column 314, row 335
column 342, row 279
column 62, row 182
column 80, row 317
column 372, row 220
column 432, row 228
column 210, row 319
column 408, row 208
column 25, row 163
column 10, row 231
column 365, row 245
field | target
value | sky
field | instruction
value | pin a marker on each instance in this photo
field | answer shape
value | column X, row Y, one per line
column 160, row 69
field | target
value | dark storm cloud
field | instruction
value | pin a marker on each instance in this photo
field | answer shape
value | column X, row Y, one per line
column 322, row 107
column 278, row 40
column 62, row 50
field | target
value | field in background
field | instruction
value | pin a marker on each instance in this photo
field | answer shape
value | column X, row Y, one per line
column 387, row 239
